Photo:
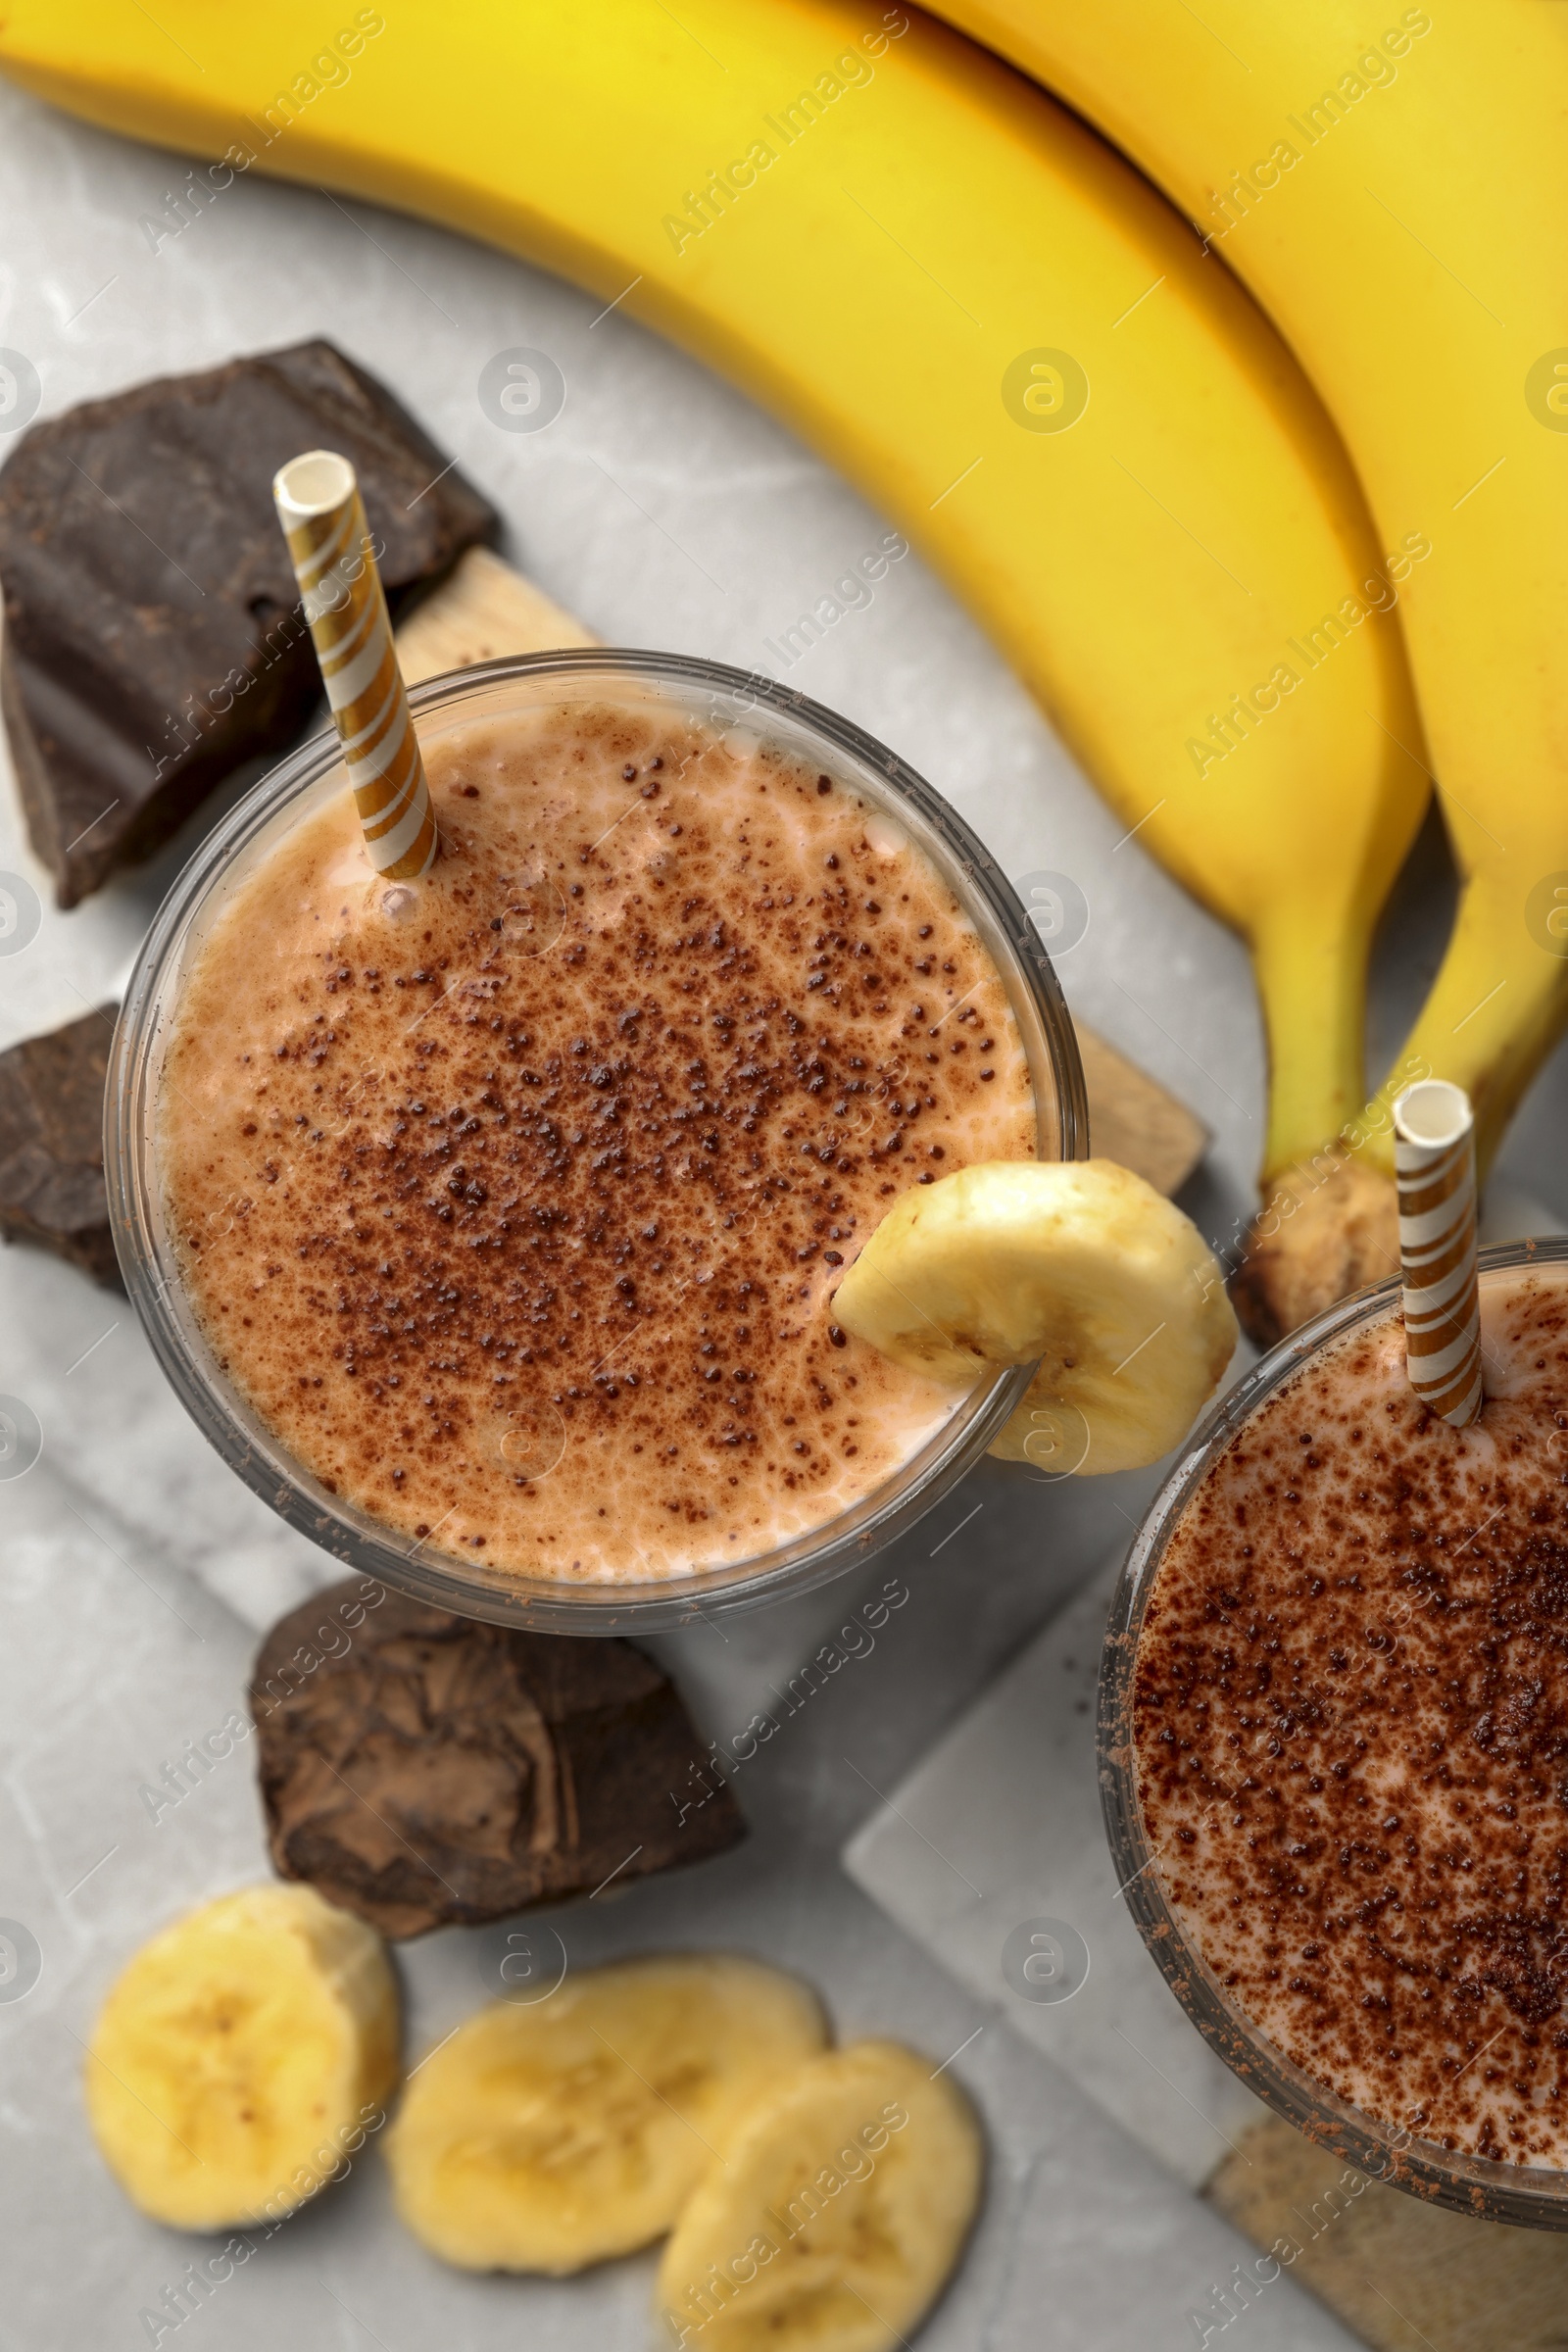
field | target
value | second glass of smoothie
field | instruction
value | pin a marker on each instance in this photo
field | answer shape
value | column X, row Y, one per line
column 488, row 1223
column 1334, row 1742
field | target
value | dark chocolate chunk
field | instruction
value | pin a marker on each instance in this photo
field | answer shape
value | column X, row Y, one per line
column 52, row 1142
column 153, row 636
column 425, row 1770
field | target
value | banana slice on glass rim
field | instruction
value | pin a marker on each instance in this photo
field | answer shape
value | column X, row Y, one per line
column 547, row 2138
column 241, row 2057
column 836, row 2216
column 1078, row 1263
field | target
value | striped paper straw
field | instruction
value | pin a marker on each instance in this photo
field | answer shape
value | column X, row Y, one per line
column 1435, row 1160
column 323, row 521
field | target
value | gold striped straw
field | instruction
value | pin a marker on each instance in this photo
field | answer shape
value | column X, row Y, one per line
column 323, row 522
column 1435, row 1160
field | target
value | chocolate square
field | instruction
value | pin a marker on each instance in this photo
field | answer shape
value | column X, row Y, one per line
column 52, row 1142
column 153, row 636
column 423, row 1768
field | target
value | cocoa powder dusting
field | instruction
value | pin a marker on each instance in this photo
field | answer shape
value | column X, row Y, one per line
column 513, row 1198
column 1350, row 1706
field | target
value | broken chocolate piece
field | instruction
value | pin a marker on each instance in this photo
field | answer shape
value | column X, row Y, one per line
column 153, row 637
column 52, row 1142
column 425, row 1770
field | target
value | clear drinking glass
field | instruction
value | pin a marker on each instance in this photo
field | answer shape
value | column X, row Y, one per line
column 720, row 699
column 1533, row 2195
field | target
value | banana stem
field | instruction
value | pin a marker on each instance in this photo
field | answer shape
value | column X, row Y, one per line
column 1310, row 964
column 1498, row 1007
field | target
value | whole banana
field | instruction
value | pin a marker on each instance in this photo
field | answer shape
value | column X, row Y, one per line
column 1394, row 202
column 974, row 308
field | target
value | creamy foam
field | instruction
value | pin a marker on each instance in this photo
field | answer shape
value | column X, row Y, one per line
column 512, row 1199
column 1350, row 1703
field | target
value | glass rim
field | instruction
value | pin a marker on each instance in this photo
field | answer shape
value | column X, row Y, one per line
column 342, row 1529
column 1534, row 2196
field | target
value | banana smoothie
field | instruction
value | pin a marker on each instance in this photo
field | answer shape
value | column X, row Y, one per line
column 1351, row 1729
column 510, row 1199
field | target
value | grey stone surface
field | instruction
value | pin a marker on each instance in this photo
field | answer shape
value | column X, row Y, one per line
column 666, row 510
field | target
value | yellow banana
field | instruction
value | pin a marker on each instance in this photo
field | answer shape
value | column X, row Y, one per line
column 836, row 2215
column 241, row 2057
column 1078, row 1267
column 1396, row 202
column 547, row 2136
column 974, row 308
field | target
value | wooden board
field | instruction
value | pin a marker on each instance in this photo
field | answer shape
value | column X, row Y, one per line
column 481, row 610
column 1134, row 1119
column 1401, row 2274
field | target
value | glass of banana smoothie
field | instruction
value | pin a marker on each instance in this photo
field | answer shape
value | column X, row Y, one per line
column 1333, row 1744
column 487, row 1224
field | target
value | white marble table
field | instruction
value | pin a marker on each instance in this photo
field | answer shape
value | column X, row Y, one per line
column 667, row 511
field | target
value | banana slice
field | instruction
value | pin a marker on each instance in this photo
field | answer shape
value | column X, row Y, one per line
column 242, row 2055
column 1078, row 1262
column 840, row 2210
column 547, row 2137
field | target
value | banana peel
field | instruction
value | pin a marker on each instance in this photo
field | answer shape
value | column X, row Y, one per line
column 1393, row 203
column 1091, row 431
